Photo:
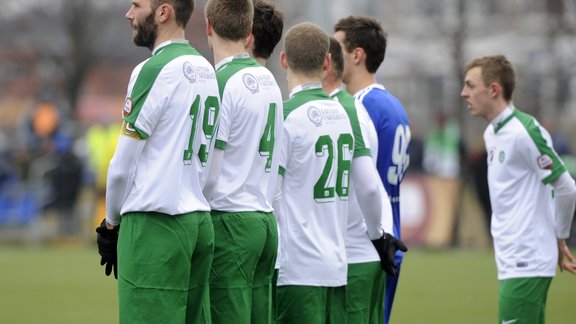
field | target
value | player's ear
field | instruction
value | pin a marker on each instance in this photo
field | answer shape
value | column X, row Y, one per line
column 164, row 12
column 283, row 61
column 327, row 64
column 358, row 56
column 495, row 89
column 209, row 29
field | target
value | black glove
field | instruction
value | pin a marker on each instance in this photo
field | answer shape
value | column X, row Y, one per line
column 107, row 240
column 387, row 246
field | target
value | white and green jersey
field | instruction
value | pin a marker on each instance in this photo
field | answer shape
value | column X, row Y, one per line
column 315, row 161
column 172, row 104
column 359, row 248
column 249, row 133
column 521, row 165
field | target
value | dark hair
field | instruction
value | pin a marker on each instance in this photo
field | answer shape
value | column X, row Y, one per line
column 231, row 19
column 183, row 9
column 496, row 68
column 337, row 59
column 367, row 34
column 266, row 28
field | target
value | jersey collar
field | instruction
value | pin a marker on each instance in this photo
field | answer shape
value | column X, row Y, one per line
column 503, row 118
column 305, row 86
column 230, row 59
column 369, row 88
column 159, row 48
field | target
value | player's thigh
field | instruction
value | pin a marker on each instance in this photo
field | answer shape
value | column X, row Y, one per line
column 239, row 241
column 263, row 276
column 301, row 304
column 365, row 293
column 523, row 300
column 154, row 252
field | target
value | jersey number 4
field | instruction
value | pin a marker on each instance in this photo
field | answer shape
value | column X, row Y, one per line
column 323, row 191
column 211, row 108
column 266, row 147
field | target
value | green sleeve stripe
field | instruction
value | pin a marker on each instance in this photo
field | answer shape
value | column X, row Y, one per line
column 220, row 144
column 536, row 135
column 362, row 152
column 281, row 170
column 148, row 75
column 348, row 102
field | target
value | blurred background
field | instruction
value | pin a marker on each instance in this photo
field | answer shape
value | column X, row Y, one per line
column 65, row 65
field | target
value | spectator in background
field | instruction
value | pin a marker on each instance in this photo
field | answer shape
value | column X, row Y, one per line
column 532, row 194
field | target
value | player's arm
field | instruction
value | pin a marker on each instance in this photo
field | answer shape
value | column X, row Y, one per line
column 213, row 173
column 121, row 174
column 372, row 202
column 564, row 201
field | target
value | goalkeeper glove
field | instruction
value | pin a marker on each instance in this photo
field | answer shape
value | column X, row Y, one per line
column 107, row 240
column 387, row 246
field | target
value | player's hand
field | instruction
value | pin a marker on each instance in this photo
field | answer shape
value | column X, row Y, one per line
column 566, row 260
column 387, row 246
column 107, row 240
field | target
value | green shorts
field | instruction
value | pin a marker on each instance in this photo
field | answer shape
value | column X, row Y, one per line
column 365, row 293
column 245, row 249
column 308, row 304
column 164, row 266
column 523, row 300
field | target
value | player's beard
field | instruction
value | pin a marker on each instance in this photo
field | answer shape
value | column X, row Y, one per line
column 146, row 33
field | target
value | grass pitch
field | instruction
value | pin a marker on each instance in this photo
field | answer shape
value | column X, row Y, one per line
column 67, row 285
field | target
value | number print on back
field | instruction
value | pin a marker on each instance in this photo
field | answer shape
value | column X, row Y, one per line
column 400, row 157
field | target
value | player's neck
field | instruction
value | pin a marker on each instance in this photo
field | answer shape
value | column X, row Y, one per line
column 296, row 79
column 223, row 48
column 359, row 80
column 169, row 33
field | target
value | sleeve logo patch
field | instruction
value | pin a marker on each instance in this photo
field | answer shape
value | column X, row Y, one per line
column 129, row 130
column 127, row 107
column 545, row 162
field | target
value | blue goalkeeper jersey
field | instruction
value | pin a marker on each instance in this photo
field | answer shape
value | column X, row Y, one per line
column 393, row 156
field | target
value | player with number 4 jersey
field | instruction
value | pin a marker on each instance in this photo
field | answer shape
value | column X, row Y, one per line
column 243, row 175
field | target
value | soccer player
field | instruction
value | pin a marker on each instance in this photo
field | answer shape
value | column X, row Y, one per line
column 165, row 241
column 312, row 199
column 364, row 46
column 365, row 277
column 267, row 27
column 531, row 194
column 242, row 180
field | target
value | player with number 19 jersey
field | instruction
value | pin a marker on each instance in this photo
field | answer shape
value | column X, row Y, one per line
column 182, row 122
column 315, row 160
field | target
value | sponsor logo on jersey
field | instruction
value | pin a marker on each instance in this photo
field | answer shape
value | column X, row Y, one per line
column 315, row 116
column 250, row 82
column 521, row 264
column 189, row 72
column 127, row 107
column 512, row 321
column 545, row 162
column 501, row 157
